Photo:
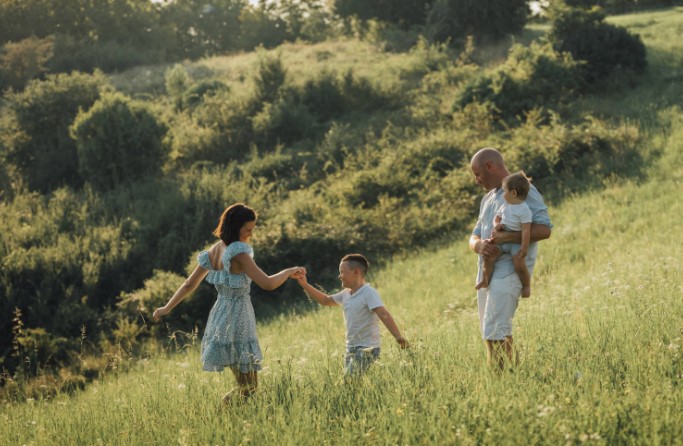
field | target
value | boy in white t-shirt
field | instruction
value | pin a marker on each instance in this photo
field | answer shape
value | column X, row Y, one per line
column 363, row 309
column 514, row 215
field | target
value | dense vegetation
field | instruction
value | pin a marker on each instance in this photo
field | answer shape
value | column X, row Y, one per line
column 112, row 183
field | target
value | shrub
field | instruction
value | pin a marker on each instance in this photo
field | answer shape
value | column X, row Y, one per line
column 485, row 20
column 37, row 134
column 118, row 140
column 25, row 60
column 194, row 95
column 534, row 76
column 284, row 121
column 563, row 158
column 269, row 78
column 177, row 81
column 603, row 47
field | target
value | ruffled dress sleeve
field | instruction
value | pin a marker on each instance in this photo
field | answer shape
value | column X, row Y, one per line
column 223, row 276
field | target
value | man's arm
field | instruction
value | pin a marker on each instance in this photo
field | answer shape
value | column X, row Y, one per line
column 537, row 233
column 483, row 247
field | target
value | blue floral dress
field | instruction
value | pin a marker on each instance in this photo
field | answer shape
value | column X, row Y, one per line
column 230, row 337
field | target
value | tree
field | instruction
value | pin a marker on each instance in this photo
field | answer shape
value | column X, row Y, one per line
column 403, row 12
column 25, row 60
column 36, row 135
column 118, row 140
column 485, row 20
column 603, row 47
column 203, row 28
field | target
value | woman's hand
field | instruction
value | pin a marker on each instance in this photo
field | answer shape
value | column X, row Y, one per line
column 296, row 272
column 161, row 311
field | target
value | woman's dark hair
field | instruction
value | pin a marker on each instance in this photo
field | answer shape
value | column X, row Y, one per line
column 232, row 220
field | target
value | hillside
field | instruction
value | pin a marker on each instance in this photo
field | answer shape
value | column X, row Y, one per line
column 600, row 338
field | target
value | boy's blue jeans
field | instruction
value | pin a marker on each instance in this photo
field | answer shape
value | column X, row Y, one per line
column 359, row 359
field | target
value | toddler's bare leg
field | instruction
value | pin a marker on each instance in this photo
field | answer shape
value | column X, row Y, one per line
column 523, row 273
column 488, row 270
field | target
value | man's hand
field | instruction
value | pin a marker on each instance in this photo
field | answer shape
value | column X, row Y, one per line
column 402, row 342
column 500, row 236
column 487, row 249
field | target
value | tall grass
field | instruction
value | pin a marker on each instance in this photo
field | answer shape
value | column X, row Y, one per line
column 599, row 340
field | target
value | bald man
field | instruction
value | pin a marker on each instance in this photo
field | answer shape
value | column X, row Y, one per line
column 498, row 302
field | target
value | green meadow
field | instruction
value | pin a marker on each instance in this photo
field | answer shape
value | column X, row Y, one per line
column 600, row 341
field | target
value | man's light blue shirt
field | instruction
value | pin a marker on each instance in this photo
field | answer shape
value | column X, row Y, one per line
column 490, row 205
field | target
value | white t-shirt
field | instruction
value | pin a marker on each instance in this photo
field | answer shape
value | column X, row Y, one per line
column 513, row 215
column 362, row 324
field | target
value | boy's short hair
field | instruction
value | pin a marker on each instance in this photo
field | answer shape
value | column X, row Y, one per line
column 357, row 261
column 518, row 182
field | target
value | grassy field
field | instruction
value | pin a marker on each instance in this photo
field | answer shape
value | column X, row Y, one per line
column 601, row 339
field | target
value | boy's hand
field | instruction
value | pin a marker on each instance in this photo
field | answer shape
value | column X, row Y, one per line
column 297, row 271
column 402, row 342
column 300, row 277
column 521, row 254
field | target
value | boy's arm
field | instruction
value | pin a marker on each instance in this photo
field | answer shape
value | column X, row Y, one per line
column 314, row 293
column 389, row 322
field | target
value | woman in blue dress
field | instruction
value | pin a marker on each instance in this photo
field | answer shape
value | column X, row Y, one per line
column 230, row 339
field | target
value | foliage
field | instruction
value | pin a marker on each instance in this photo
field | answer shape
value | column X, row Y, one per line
column 118, row 141
column 620, row 6
column 604, row 48
column 203, row 28
column 195, row 94
column 485, row 20
column 22, row 61
column 269, row 78
column 534, row 76
column 177, row 81
column 404, row 12
column 36, row 135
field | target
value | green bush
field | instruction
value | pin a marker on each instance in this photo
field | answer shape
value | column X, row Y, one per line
column 177, row 81
column 604, row 48
column 534, row 76
column 22, row 61
column 564, row 159
column 485, row 20
column 195, row 94
column 283, row 122
column 118, row 140
column 270, row 77
column 36, row 133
